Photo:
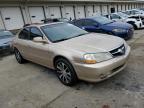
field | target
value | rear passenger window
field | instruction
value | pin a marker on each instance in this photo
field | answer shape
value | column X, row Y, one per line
column 114, row 16
column 24, row 34
column 79, row 23
column 128, row 12
column 35, row 32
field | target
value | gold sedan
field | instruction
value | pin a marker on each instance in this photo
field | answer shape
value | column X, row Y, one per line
column 72, row 52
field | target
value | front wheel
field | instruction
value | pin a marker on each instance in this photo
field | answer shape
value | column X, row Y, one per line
column 134, row 26
column 65, row 72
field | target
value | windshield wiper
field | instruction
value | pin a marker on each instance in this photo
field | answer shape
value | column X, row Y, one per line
column 78, row 35
column 61, row 40
column 70, row 37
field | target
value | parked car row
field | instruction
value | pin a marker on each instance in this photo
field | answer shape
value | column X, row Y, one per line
column 101, row 24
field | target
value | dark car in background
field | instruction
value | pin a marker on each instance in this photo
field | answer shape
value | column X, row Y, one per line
column 102, row 24
column 49, row 20
column 6, row 38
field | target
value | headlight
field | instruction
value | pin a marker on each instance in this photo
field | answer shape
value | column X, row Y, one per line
column 119, row 30
column 92, row 58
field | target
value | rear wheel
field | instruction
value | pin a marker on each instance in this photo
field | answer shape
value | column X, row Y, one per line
column 19, row 57
column 65, row 72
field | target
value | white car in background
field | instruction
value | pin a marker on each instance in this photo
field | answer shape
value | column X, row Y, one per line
column 141, row 9
column 133, row 20
column 135, row 12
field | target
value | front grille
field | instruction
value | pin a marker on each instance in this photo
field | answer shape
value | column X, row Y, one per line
column 118, row 51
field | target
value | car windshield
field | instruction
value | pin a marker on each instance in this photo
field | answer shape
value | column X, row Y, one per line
column 62, row 31
column 5, row 34
column 102, row 20
column 142, row 9
column 123, row 15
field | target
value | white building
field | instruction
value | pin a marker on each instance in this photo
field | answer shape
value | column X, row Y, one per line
column 15, row 13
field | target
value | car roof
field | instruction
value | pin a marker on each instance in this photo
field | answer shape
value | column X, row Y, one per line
column 119, row 12
column 133, row 9
column 42, row 24
column 90, row 17
column 95, row 16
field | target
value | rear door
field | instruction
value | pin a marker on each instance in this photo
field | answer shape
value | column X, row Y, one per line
column 22, row 42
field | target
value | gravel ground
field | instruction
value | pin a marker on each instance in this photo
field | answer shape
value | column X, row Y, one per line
column 33, row 86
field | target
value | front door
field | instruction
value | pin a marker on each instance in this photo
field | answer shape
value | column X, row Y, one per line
column 38, row 51
column 22, row 43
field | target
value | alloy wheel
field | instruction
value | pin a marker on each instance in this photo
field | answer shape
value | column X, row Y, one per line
column 63, row 72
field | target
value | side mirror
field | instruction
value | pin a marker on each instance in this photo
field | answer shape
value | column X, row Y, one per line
column 39, row 40
column 83, row 28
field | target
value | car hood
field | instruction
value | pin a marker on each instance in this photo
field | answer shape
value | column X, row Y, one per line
column 6, row 41
column 115, row 25
column 93, row 42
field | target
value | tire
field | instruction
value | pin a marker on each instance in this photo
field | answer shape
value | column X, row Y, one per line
column 19, row 57
column 65, row 72
column 134, row 26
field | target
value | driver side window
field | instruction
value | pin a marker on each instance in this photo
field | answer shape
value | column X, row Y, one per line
column 89, row 23
column 24, row 34
column 114, row 16
column 35, row 32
